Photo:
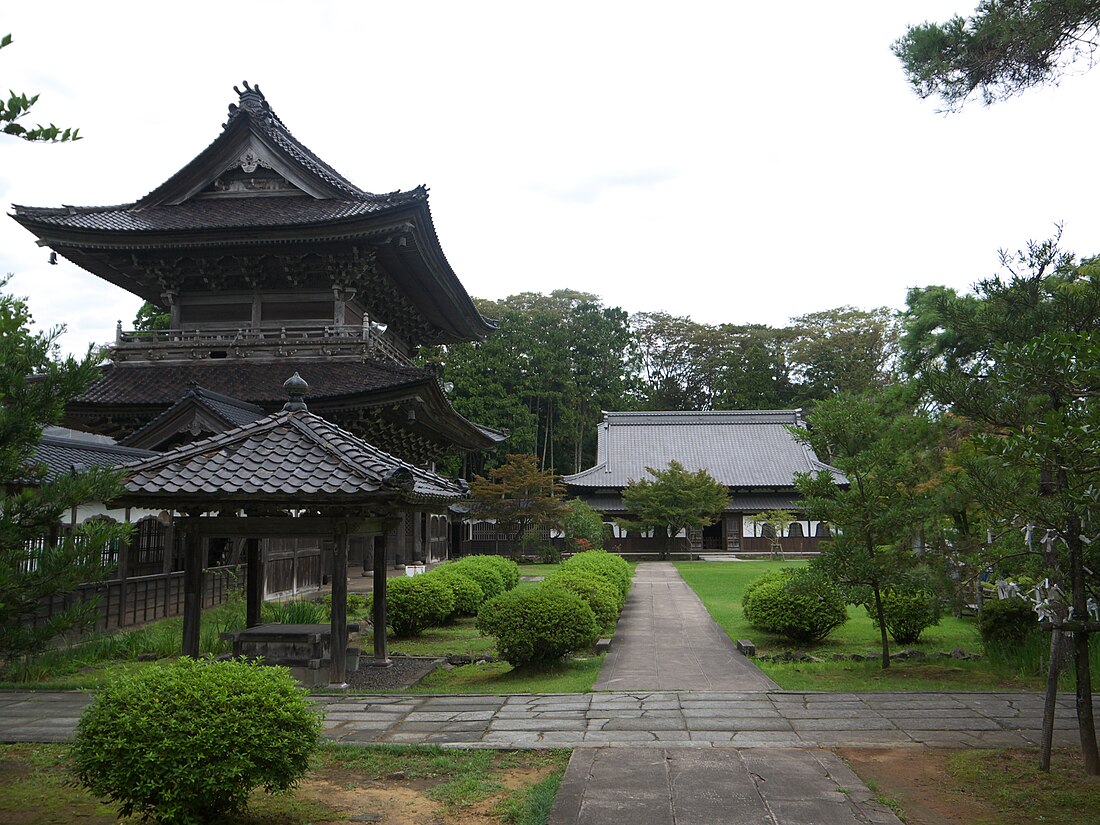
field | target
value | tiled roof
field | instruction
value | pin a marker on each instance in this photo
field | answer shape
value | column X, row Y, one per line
column 739, row 449
column 60, row 450
column 291, row 455
column 218, row 213
column 258, row 382
column 197, row 409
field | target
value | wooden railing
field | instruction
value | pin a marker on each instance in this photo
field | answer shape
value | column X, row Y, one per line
column 332, row 339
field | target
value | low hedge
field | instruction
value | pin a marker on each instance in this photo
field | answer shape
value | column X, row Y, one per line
column 468, row 595
column 799, row 605
column 609, row 565
column 597, row 591
column 187, row 742
column 538, row 625
column 1006, row 621
column 416, row 603
column 487, row 575
column 508, row 569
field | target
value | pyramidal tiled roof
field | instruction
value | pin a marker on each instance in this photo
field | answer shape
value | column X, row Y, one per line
column 292, row 455
column 751, row 448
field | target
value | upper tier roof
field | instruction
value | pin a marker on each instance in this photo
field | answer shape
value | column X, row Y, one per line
column 257, row 192
column 747, row 449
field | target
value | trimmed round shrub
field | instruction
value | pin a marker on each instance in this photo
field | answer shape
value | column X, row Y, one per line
column 907, row 613
column 752, row 587
column 488, row 576
column 417, row 602
column 508, row 569
column 800, row 606
column 468, row 594
column 538, row 624
column 609, row 565
column 187, row 742
column 596, row 590
column 1005, row 621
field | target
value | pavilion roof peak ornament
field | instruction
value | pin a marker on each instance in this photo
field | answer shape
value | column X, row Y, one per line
column 251, row 100
column 296, row 387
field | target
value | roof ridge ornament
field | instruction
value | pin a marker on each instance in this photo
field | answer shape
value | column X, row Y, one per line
column 252, row 100
column 296, row 387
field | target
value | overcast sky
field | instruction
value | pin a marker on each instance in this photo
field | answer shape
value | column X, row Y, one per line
column 730, row 161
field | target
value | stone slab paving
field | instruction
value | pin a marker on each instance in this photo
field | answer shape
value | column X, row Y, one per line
column 608, row 786
column 637, row 720
column 666, row 640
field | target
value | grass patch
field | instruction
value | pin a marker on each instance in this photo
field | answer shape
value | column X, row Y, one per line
column 720, row 585
column 36, row 786
column 566, row 676
column 1013, row 788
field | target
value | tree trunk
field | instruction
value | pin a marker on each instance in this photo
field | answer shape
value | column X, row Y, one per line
column 882, row 626
column 1086, row 724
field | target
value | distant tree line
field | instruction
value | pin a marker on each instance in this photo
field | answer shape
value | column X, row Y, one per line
column 559, row 360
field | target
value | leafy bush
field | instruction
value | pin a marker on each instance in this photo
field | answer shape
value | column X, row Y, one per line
column 752, row 587
column 1005, row 621
column 597, row 591
column 187, row 742
column 468, row 595
column 609, row 565
column 508, row 569
column 358, row 606
column 907, row 613
column 488, row 576
column 583, row 524
column 417, row 602
column 540, row 624
column 296, row 612
column 801, row 606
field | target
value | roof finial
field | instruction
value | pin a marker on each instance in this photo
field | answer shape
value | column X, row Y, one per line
column 296, row 388
column 252, row 100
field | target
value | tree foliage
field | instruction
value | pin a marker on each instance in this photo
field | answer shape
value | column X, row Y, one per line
column 674, row 499
column 36, row 563
column 519, row 496
column 18, row 106
column 884, row 450
column 1006, row 46
column 1020, row 358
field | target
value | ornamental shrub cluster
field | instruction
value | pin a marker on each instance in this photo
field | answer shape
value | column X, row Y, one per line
column 186, row 743
column 564, row 614
column 907, row 613
column 1005, row 621
column 797, row 604
column 454, row 589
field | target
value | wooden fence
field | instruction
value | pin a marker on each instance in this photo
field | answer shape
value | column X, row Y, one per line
column 134, row 601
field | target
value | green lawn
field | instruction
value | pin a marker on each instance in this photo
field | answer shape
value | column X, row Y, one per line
column 720, row 584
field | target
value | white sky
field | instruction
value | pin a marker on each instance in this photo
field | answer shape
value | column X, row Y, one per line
column 731, row 161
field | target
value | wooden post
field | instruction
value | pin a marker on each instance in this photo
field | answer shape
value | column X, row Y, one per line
column 338, row 639
column 254, row 582
column 381, row 654
column 1051, row 700
column 192, row 592
column 123, row 574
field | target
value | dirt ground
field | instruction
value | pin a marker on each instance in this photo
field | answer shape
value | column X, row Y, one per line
column 918, row 779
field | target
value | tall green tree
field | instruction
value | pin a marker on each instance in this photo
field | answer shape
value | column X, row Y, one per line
column 844, row 349
column 674, row 499
column 18, row 106
column 1006, row 46
column 1020, row 358
column 35, row 562
column 884, row 450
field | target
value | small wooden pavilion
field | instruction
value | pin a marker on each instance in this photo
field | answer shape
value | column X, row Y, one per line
column 286, row 474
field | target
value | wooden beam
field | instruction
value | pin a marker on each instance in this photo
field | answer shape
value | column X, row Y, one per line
column 254, row 583
column 263, row 526
column 381, row 654
column 338, row 639
column 192, row 594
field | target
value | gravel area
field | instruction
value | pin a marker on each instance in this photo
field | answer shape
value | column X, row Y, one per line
column 404, row 672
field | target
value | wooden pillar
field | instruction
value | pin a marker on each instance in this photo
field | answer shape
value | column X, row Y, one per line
column 123, row 574
column 338, row 640
column 254, row 582
column 192, row 591
column 417, row 548
column 381, row 653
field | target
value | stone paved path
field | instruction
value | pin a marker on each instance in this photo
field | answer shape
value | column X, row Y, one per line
column 666, row 640
column 637, row 720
